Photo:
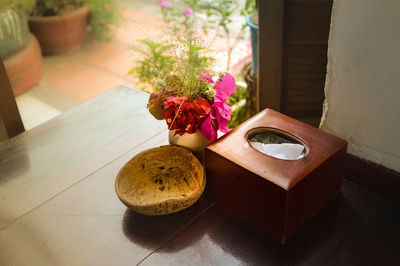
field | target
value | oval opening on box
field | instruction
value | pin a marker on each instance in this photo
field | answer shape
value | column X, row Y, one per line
column 277, row 143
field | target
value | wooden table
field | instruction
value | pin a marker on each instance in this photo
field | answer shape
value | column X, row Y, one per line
column 58, row 205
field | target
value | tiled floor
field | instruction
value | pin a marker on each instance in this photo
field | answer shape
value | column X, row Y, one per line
column 34, row 111
column 77, row 76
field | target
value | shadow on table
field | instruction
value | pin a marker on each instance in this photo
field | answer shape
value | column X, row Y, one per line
column 249, row 245
column 315, row 244
column 216, row 230
column 152, row 231
column 13, row 163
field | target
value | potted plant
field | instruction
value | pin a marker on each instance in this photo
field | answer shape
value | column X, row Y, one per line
column 188, row 94
column 61, row 25
column 18, row 48
column 216, row 18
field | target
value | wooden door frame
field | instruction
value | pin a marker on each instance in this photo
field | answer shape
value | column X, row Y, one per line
column 270, row 48
column 10, row 117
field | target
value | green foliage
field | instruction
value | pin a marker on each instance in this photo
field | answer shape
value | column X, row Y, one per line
column 237, row 96
column 182, row 18
column 103, row 13
column 14, row 32
column 238, row 116
column 55, row 7
column 210, row 14
column 174, row 67
column 218, row 18
column 237, row 101
column 155, row 62
column 19, row 5
column 248, row 8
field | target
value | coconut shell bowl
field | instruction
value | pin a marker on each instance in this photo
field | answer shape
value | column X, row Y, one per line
column 161, row 180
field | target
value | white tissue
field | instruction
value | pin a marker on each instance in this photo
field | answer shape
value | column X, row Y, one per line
column 286, row 151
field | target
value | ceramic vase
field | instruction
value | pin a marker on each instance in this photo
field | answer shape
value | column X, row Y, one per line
column 195, row 142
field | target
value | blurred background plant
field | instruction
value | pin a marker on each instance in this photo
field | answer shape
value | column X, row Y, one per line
column 219, row 20
column 24, row 5
column 237, row 101
column 14, row 31
column 250, row 8
column 214, row 20
column 45, row 8
column 104, row 14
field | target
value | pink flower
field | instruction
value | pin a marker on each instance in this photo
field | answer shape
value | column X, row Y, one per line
column 187, row 12
column 225, row 87
column 221, row 114
column 217, row 120
column 208, row 129
column 206, row 77
column 220, row 111
column 165, row 4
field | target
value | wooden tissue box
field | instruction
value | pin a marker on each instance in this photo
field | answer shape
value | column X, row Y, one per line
column 278, row 196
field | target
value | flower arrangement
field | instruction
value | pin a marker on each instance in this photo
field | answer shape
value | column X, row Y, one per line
column 187, row 93
column 204, row 109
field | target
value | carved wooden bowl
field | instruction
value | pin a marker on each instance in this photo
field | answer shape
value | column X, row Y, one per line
column 161, row 180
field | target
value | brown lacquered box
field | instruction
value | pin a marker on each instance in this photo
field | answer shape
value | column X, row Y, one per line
column 277, row 196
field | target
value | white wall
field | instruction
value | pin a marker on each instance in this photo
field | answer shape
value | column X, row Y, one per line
column 363, row 82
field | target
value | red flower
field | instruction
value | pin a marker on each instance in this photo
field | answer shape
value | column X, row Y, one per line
column 201, row 108
column 185, row 115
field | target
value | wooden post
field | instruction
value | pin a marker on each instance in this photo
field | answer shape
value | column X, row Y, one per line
column 10, row 117
column 270, row 47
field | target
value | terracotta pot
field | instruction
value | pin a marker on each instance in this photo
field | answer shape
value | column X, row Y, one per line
column 57, row 34
column 24, row 69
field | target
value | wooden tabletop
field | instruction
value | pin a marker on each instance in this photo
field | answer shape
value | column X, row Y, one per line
column 58, row 205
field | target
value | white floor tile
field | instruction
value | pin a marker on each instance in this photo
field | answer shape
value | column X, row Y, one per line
column 33, row 111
